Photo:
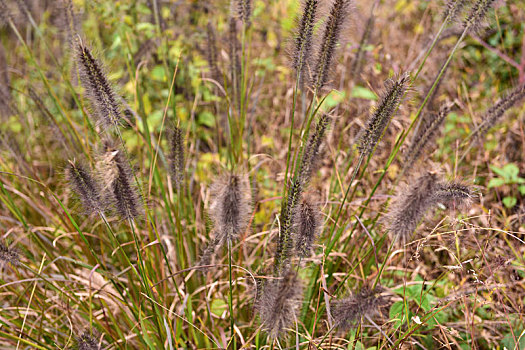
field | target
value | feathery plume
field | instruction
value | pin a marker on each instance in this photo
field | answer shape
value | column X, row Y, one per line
column 86, row 187
column 308, row 225
column 5, row 93
column 99, row 90
column 211, row 52
column 87, row 342
column 394, row 92
column 496, row 112
column 351, row 311
column 231, row 206
column 176, row 156
column 452, row 9
column 117, row 180
column 454, row 195
column 302, row 48
column 425, row 136
column 477, row 14
column 411, row 205
column 279, row 303
column 332, row 31
column 8, row 255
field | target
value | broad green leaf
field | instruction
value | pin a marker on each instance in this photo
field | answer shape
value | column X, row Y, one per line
column 362, row 92
column 509, row 202
column 496, row 182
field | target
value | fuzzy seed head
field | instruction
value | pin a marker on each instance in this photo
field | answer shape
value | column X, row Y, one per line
column 332, row 31
column 302, row 48
column 230, row 208
column 87, row 342
column 104, row 100
column 410, row 206
column 351, row 311
column 308, row 225
column 394, row 92
column 8, row 255
column 477, row 14
column 6, row 15
column 279, row 303
column 176, row 156
column 86, row 187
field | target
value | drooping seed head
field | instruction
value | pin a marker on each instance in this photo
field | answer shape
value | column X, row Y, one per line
column 8, row 255
column 388, row 104
column 496, row 112
column 477, row 14
column 426, row 135
column 87, row 342
column 354, row 309
column 303, row 42
column 308, row 225
column 279, row 303
column 176, row 156
column 454, row 195
column 410, row 206
column 86, row 187
column 104, row 100
column 230, row 208
column 335, row 23
column 117, row 179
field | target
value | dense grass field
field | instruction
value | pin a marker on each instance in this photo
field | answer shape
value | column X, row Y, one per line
column 277, row 174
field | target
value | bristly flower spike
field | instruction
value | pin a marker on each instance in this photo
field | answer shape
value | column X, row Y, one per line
column 302, row 48
column 312, row 150
column 117, row 179
column 279, row 303
column 211, row 53
column 425, row 136
column 454, row 194
column 231, row 206
column 176, row 156
column 477, row 14
column 496, row 112
column 243, row 10
column 308, row 225
column 331, row 34
column 86, row 187
column 8, row 255
column 452, row 9
column 411, row 205
column 394, row 92
column 365, row 304
column 103, row 98
column 87, row 342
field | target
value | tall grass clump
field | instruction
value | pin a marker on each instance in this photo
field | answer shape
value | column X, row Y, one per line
column 191, row 185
